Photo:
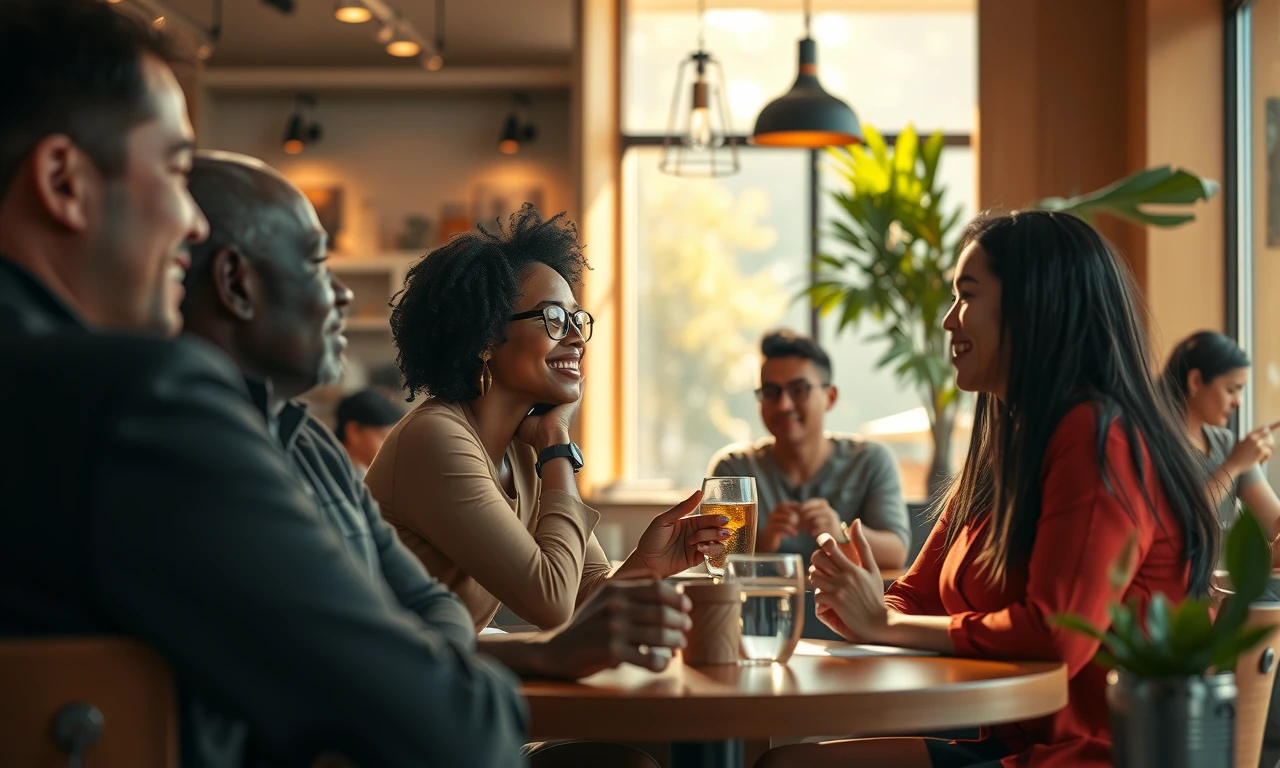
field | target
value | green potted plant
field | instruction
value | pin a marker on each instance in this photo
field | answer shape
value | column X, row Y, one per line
column 901, row 231
column 900, row 235
column 1172, row 690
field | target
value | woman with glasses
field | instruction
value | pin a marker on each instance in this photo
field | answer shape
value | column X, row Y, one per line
column 480, row 479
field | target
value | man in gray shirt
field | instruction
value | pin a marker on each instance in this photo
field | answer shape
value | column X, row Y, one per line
column 810, row 481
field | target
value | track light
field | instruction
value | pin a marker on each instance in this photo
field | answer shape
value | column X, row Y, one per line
column 437, row 57
column 301, row 131
column 403, row 47
column 352, row 12
column 162, row 16
column 516, row 131
column 398, row 35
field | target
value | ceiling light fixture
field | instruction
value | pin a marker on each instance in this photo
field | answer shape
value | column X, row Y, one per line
column 434, row 62
column 400, row 38
column 518, row 129
column 351, row 12
column 806, row 115
column 161, row 16
column 698, row 127
column 402, row 47
column 301, row 130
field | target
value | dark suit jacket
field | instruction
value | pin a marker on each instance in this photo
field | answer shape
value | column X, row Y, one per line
column 140, row 494
column 324, row 469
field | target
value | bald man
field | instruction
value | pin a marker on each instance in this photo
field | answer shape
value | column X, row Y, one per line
column 259, row 290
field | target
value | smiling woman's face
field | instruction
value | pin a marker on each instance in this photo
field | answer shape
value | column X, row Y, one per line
column 530, row 364
column 975, row 326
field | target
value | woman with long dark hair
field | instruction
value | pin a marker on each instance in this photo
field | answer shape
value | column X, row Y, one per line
column 1204, row 377
column 1074, row 453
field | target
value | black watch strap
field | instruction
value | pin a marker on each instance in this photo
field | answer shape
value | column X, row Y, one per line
column 568, row 451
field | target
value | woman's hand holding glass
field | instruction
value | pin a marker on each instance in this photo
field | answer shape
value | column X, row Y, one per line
column 849, row 595
column 675, row 542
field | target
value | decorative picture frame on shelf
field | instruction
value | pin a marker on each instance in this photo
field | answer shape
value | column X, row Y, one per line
column 327, row 199
column 491, row 203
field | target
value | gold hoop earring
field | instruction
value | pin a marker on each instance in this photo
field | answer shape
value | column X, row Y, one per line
column 486, row 377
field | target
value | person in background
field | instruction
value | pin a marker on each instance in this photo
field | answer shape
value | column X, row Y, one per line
column 810, row 481
column 259, row 290
column 1204, row 377
column 480, row 480
column 1075, row 459
column 364, row 419
column 166, row 514
column 385, row 379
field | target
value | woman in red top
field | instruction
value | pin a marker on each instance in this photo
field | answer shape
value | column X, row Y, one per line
column 1073, row 452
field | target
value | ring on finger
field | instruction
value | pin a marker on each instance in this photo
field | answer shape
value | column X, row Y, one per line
column 644, row 649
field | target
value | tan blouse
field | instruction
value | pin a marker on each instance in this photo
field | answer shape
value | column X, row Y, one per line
column 535, row 553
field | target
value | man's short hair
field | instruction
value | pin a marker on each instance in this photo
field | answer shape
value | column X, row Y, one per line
column 784, row 343
column 73, row 67
column 368, row 409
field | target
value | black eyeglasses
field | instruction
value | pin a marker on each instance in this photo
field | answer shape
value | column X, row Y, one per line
column 798, row 391
column 557, row 321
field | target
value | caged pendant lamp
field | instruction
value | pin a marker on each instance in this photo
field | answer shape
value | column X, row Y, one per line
column 699, row 141
column 806, row 115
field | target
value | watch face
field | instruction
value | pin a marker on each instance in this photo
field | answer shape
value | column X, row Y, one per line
column 575, row 455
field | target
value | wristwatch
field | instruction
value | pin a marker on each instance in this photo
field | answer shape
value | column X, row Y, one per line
column 569, row 451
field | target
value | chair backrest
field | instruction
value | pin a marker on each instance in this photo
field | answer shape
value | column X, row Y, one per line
column 116, row 686
column 921, row 527
column 1255, row 676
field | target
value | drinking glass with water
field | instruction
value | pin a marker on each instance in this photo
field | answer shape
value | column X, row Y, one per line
column 772, row 604
column 735, row 498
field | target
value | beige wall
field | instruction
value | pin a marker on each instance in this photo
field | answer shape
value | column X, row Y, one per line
column 397, row 155
column 1073, row 96
column 1184, row 127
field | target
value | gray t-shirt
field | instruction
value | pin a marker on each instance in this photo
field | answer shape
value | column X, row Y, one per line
column 860, row 481
column 1221, row 442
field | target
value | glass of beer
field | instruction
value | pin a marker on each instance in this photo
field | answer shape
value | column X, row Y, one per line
column 772, row 604
column 735, row 498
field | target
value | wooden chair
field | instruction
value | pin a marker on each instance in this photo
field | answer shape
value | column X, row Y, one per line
column 1255, row 676
column 105, row 702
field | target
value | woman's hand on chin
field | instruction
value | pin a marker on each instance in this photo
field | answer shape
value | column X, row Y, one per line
column 548, row 429
column 674, row 542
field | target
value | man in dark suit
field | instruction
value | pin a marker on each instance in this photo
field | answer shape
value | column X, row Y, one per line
column 150, row 502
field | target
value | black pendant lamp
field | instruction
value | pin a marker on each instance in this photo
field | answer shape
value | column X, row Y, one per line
column 806, row 115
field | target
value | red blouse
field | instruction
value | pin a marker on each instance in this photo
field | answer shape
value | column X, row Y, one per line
column 1082, row 530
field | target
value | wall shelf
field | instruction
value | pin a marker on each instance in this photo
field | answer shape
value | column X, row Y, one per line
column 368, row 325
column 375, row 264
column 292, row 79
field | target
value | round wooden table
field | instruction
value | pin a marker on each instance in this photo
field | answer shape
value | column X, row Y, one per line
column 712, row 709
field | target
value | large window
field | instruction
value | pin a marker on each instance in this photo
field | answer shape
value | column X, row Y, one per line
column 715, row 262
column 1255, row 197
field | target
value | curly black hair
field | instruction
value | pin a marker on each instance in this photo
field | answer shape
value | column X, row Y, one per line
column 457, row 300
